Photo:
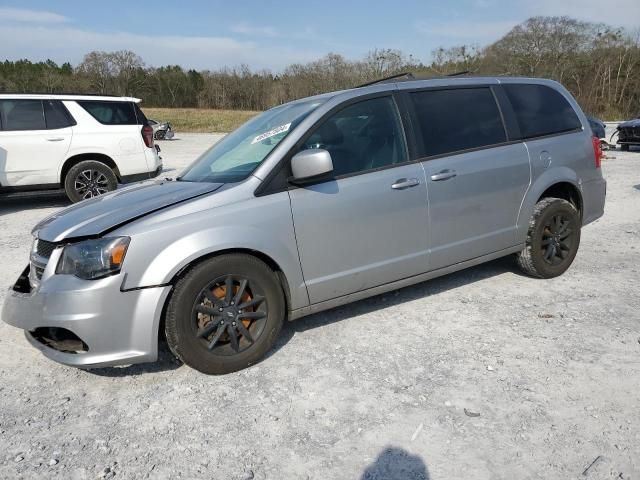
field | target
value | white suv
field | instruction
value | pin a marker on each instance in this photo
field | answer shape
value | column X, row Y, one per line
column 84, row 144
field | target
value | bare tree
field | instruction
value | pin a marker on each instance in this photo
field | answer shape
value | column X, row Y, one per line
column 99, row 69
column 384, row 62
column 127, row 68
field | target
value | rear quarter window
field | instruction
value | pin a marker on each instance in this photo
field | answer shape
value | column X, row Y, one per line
column 142, row 119
column 541, row 110
column 57, row 115
column 457, row 120
column 111, row 113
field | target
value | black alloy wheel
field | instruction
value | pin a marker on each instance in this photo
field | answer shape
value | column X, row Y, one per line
column 553, row 239
column 229, row 314
column 225, row 313
column 557, row 239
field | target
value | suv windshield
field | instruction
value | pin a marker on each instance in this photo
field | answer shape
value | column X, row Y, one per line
column 234, row 157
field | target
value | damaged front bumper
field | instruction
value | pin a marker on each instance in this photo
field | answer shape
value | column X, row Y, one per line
column 86, row 323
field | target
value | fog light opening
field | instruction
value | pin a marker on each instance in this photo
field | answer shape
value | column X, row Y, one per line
column 60, row 339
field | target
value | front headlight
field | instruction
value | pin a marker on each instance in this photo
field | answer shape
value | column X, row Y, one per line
column 92, row 259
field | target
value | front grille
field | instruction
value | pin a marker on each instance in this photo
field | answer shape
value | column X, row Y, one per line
column 630, row 133
column 44, row 248
column 23, row 285
column 38, row 271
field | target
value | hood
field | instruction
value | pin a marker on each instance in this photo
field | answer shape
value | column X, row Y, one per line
column 630, row 123
column 99, row 215
column 600, row 123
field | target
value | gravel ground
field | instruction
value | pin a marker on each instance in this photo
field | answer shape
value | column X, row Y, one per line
column 482, row 374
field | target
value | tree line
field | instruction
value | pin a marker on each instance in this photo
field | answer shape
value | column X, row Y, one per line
column 598, row 63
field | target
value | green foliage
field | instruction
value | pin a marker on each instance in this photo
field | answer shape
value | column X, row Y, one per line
column 599, row 64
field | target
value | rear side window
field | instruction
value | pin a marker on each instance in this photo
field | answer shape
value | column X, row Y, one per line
column 541, row 110
column 142, row 119
column 56, row 115
column 458, row 119
column 22, row 115
column 111, row 113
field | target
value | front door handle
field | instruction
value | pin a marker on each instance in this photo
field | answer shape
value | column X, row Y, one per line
column 57, row 139
column 443, row 175
column 403, row 183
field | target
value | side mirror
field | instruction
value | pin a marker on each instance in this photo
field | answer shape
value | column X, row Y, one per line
column 310, row 165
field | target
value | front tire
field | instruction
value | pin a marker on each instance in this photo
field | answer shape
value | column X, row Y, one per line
column 552, row 240
column 225, row 314
column 89, row 179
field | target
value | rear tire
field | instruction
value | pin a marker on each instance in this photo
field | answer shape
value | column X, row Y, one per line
column 215, row 333
column 89, row 179
column 552, row 240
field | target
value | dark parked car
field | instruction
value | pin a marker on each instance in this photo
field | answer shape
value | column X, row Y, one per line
column 629, row 133
column 597, row 127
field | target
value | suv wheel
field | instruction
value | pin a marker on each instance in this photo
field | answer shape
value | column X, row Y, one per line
column 89, row 179
column 225, row 314
column 552, row 240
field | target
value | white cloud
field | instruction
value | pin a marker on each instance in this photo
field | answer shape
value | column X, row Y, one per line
column 30, row 16
column 63, row 44
column 245, row 28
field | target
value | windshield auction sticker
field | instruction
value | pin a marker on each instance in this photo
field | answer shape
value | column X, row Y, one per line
column 271, row 133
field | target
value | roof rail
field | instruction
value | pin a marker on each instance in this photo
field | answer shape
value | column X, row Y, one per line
column 407, row 75
column 62, row 94
column 456, row 74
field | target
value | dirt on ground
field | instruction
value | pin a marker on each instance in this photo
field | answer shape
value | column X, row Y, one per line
column 482, row 374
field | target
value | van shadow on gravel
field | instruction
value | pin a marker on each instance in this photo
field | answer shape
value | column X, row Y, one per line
column 407, row 294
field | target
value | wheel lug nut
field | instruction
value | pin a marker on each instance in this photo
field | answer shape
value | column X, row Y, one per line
column 233, row 324
column 220, row 309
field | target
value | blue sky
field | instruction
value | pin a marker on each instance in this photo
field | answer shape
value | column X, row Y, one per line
column 212, row 34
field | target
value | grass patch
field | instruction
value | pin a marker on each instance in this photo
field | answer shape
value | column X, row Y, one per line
column 200, row 120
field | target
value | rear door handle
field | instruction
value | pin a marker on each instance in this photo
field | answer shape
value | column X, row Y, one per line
column 443, row 175
column 57, row 139
column 403, row 183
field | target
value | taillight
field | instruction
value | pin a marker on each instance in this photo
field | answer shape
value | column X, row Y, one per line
column 597, row 151
column 147, row 136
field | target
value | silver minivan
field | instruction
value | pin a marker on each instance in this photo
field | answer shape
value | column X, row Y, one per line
column 310, row 205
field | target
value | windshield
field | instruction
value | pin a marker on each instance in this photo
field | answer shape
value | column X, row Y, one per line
column 238, row 154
